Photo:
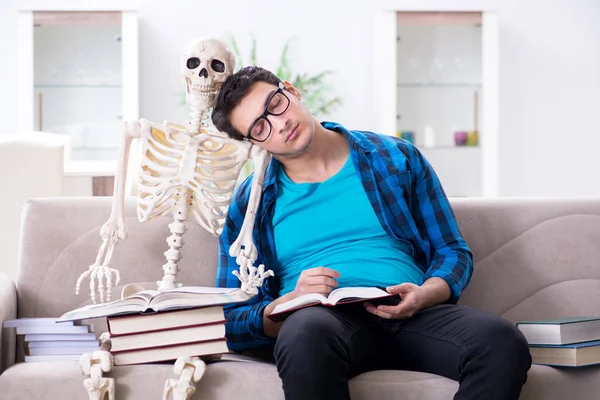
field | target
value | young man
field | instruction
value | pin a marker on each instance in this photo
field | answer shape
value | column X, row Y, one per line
column 352, row 208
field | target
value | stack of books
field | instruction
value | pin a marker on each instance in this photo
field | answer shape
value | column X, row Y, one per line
column 152, row 326
column 163, row 336
column 46, row 339
column 563, row 342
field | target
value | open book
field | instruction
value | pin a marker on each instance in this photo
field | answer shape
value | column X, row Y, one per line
column 337, row 296
column 149, row 301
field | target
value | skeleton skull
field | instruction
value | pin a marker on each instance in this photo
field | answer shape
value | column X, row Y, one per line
column 205, row 65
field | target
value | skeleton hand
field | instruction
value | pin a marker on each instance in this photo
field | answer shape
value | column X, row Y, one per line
column 111, row 232
column 252, row 277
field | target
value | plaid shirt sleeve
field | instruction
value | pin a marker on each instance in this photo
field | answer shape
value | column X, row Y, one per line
column 244, row 326
column 451, row 259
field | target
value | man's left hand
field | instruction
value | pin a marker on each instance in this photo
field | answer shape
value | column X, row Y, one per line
column 413, row 298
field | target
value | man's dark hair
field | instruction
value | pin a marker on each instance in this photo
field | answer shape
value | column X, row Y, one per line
column 231, row 93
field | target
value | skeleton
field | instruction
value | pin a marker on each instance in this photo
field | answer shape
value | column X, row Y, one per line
column 185, row 170
column 190, row 370
column 93, row 364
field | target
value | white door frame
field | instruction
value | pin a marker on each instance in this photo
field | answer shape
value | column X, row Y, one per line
column 385, row 80
column 25, row 75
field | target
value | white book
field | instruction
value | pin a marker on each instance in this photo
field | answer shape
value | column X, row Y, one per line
column 59, row 337
column 63, row 343
column 48, row 329
column 40, row 351
column 20, row 322
column 148, row 301
column 561, row 330
column 68, row 357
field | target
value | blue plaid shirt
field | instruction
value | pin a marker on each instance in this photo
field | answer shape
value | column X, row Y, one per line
column 409, row 202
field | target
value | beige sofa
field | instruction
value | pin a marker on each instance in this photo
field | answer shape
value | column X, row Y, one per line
column 533, row 259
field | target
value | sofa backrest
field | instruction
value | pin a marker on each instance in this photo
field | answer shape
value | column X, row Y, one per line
column 534, row 258
column 61, row 239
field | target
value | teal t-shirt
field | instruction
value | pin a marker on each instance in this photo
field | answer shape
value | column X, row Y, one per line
column 332, row 224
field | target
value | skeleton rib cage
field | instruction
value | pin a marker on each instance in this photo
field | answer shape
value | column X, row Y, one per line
column 178, row 165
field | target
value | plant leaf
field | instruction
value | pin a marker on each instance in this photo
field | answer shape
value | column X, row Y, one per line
column 239, row 60
column 253, row 60
column 284, row 71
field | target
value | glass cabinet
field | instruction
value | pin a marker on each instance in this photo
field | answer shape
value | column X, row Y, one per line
column 80, row 78
column 439, row 86
column 437, row 75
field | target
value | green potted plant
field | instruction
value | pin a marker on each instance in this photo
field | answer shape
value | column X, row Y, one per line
column 316, row 93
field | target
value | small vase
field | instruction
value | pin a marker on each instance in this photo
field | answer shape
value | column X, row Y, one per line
column 460, row 138
column 472, row 138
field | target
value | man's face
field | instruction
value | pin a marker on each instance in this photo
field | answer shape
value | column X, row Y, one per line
column 274, row 120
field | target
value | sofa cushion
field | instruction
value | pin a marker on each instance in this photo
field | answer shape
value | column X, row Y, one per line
column 259, row 381
column 405, row 385
column 222, row 380
column 62, row 380
column 551, row 383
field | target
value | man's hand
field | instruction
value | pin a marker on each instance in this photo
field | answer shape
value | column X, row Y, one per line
column 316, row 280
column 414, row 298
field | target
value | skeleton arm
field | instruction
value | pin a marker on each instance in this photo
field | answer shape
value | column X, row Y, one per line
column 129, row 130
column 244, row 248
column 114, row 229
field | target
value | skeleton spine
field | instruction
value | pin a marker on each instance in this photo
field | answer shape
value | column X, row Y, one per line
column 175, row 241
column 199, row 122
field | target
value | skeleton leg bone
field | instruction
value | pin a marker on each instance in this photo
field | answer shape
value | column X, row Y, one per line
column 94, row 364
column 190, row 370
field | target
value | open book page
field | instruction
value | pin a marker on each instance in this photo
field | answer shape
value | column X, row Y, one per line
column 201, row 290
column 187, row 297
column 341, row 295
column 304, row 300
column 135, row 303
column 355, row 293
column 153, row 300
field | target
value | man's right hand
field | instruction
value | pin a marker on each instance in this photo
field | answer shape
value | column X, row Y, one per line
column 316, row 280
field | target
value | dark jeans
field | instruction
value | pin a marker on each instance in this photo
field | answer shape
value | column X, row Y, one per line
column 319, row 348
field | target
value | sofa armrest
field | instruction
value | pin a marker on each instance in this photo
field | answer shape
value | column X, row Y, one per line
column 8, row 310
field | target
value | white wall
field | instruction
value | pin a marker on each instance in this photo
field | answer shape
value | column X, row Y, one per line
column 8, row 66
column 549, row 85
column 550, row 98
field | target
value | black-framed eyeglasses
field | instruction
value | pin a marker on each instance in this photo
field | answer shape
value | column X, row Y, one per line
column 276, row 104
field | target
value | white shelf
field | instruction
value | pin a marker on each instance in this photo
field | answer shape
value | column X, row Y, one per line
column 77, row 86
column 90, row 168
column 448, row 85
column 448, row 147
